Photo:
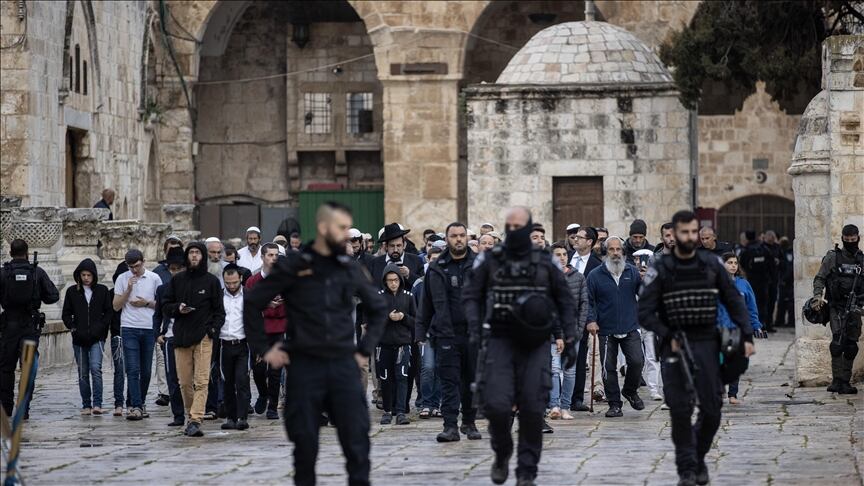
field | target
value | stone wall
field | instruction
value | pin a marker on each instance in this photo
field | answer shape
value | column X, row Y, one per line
column 729, row 144
column 520, row 138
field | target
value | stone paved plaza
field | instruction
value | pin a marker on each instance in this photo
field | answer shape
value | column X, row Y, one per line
column 780, row 435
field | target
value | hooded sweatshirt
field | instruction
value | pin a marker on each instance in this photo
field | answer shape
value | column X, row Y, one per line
column 397, row 333
column 200, row 290
column 87, row 312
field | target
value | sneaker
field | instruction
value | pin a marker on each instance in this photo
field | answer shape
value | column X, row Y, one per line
column 500, row 470
column 599, row 396
column 687, row 479
column 401, row 419
column 425, row 413
column 665, row 406
column 118, row 411
column 177, row 422
column 134, row 414
column 211, row 415
column 194, row 430
column 471, row 431
column 834, row 387
column 525, row 482
column 656, row 396
column 702, row 477
column 162, row 401
column 450, row 434
column 87, row 411
column 565, row 415
column 98, row 411
column 272, row 415
column 547, row 429
column 242, row 424
column 614, row 411
column 229, row 425
column 386, row 419
column 260, row 405
column 634, row 400
column 579, row 406
column 555, row 414
column 847, row 389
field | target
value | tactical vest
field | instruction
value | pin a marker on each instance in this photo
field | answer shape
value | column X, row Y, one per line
column 689, row 294
column 520, row 303
column 842, row 277
column 21, row 292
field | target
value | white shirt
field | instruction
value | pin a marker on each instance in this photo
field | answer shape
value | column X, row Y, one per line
column 88, row 293
column 137, row 317
column 246, row 259
column 170, row 332
column 579, row 262
column 233, row 328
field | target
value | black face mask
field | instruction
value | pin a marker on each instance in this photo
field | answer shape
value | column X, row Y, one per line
column 851, row 246
column 518, row 241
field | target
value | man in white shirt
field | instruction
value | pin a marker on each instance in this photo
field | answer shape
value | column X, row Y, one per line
column 250, row 255
column 235, row 352
column 135, row 295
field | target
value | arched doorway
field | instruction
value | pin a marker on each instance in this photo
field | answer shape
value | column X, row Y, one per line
column 279, row 113
column 758, row 213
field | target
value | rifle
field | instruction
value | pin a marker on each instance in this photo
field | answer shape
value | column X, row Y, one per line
column 852, row 306
column 689, row 368
column 479, row 384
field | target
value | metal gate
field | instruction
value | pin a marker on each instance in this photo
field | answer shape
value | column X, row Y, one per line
column 367, row 207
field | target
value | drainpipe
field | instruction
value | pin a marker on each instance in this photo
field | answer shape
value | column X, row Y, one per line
column 693, row 126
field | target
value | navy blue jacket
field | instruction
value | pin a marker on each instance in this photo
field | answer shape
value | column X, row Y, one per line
column 614, row 307
column 441, row 312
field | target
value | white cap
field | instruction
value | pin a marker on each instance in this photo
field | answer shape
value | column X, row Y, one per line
column 253, row 228
column 643, row 252
column 441, row 235
column 212, row 239
column 354, row 233
column 488, row 224
column 573, row 227
column 367, row 236
column 281, row 249
column 439, row 244
column 471, row 232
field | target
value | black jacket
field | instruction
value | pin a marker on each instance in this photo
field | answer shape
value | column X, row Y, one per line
column 89, row 322
column 318, row 292
column 397, row 333
column 441, row 312
column 48, row 293
column 413, row 262
column 629, row 250
column 758, row 264
column 195, row 288
column 115, row 321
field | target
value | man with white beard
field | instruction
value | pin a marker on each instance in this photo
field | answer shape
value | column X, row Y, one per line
column 613, row 313
column 215, row 263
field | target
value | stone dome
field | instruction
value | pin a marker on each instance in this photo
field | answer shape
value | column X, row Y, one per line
column 586, row 52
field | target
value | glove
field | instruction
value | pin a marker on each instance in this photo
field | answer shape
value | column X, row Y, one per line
column 569, row 354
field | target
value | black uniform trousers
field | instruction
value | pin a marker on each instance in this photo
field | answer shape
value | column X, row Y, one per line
column 234, row 367
column 315, row 385
column 844, row 343
column 456, row 365
column 393, row 364
column 631, row 347
column 11, row 345
column 519, row 376
column 267, row 379
column 764, row 304
column 692, row 441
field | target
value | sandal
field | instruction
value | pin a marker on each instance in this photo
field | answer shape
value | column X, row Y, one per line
column 425, row 413
column 86, row 411
column 97, row 411
column 436, row 413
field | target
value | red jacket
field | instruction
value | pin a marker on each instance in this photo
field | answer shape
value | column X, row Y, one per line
column 275, row 321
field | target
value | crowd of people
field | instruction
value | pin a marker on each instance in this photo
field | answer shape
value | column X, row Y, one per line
column 192, row 313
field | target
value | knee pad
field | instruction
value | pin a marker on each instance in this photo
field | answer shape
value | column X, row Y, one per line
column 850, row 349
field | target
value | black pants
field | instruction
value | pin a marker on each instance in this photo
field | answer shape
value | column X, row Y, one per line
column 393, row 364
column 762, row 292
column 456, row 363
column 844, row 344
column 785, row 308
column 631, row 346
column 581, row 370
column 521, row 377
column 234, row 366
column 413, row 375
column 215, row 387
column 11, row 346
column 267, row 379
column 174, row 396
column 692, row 441
column 316, row 385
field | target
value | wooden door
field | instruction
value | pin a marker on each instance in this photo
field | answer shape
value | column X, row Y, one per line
column 576, row 200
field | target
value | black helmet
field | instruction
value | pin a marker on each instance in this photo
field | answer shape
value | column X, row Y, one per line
column 816, row 316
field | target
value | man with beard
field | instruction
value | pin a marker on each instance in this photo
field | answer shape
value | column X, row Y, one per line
column 514, row 291
column 442, row 318
column 679, row 300
column 215, row 263
column 249, row 256
column 665, row 247
column 355, row 238
column 637, row 240
column 710, row 243
column 393, row 241
column 320, row 357
column 613, row 309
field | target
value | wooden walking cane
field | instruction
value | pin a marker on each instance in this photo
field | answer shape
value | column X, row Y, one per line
column 593, row 366
column 27, row 369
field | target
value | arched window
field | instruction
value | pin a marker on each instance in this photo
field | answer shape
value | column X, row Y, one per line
column 77, row 68
column 758, row 213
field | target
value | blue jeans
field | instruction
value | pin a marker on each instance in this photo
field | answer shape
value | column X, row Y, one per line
column 430, row 388
column 89, row 360
column 563, row 382
column 119, row 372
column 138, row 353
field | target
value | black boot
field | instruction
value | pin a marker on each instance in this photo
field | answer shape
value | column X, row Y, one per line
column 844, row 388
column 834, row 387
column 687, row 479
column 471, row 431
column 702, row 477
column 500, row 469
column 450, row 434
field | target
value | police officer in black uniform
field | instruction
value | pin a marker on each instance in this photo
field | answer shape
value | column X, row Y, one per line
column 521, row 294
column 759, row 266
column 678, row 303
column 321, row 360
column 838, row 277
column 23, row 289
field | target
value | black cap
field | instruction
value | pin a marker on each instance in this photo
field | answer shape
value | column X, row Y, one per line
column 638, row 227
column 850, row 230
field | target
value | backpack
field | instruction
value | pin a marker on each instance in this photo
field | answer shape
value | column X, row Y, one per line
column 20, row 287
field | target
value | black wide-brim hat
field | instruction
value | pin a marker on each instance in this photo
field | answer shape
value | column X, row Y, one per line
column 393, row 231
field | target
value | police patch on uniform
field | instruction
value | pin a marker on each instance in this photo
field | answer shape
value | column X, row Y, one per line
column 20, row 278
column 649, row 277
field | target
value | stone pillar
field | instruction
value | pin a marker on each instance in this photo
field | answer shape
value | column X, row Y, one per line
column 180, row 217
column 41, row 228
column 118, row 236
column 81, row 230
